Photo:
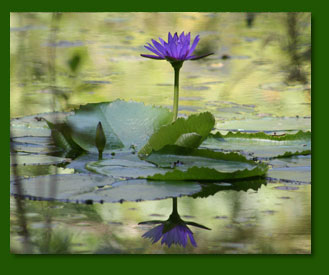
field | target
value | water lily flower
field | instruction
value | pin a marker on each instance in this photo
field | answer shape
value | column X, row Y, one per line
column 176, row 51
column 172, row 231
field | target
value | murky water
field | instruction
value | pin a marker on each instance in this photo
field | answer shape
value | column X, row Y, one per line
column 252, row 82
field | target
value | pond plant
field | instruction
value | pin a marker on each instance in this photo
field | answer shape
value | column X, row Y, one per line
column 131, row 151
column 177, row 50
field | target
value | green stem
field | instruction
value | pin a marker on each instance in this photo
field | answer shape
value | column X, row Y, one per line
column 176, row 92
column 100, row 155
column 174, row 206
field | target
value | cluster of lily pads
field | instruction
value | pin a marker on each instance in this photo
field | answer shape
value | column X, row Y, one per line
column 130, row 150
column 146, row 151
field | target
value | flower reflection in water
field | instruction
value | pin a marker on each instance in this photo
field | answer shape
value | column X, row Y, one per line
column 172, row 231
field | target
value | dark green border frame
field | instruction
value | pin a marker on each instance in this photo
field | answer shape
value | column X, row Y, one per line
column 41, row 264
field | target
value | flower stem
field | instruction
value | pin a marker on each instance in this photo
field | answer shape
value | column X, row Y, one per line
column 174, row 206
column 176, row 92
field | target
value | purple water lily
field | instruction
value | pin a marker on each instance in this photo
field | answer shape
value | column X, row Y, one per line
column 178, row 48
column 176, row 51
column 172, row 231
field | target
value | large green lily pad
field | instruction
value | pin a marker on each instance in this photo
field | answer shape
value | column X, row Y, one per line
column 179, row 163
column 125, row 124
column 96, row 188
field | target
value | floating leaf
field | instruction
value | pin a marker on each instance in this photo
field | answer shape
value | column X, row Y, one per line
column 261, row 135
column 292, row 169
column 179, row 163
column 94, row 188
column 175, row 133
column 267, row 124
column 297, row 153
column 188, row 157
column 204, row 173
column 124, row 124
column 123, row 165
column 36, row 159
column 260, row 144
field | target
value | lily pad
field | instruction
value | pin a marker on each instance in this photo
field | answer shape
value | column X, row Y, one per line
column 293, row 169
column 205, row 173
column 37, row 159
column 179, row 163
column 41, row 145
column 268, row 124
column 140, row 190
column 35, row 126
column 93, row 188
column 124, row 124
column 300, row 174
column 123, row 165
column 261, row 145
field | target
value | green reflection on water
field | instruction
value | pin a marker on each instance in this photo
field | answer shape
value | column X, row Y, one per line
column 111, row 66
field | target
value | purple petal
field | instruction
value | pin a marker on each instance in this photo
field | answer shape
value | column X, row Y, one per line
column 173, row 49
column 159, row 47
column 184, row 51
column 195, row 43
column 162, row 42
column 169, row 37
column 152, row 56
column 154, row 234
column 153, row 50
column 182, row 37
column 175, row 37
column 199, row 57
column 188, row 38
column 192, row 240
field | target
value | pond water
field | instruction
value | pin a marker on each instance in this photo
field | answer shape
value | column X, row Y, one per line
column 259, row 79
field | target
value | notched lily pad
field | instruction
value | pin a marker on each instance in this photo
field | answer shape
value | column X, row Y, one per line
column 140, row 190
column 124, row 124
column 179, row 163
column 261, row 145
